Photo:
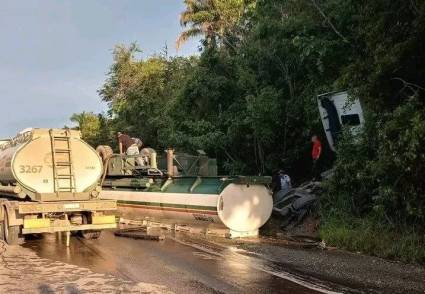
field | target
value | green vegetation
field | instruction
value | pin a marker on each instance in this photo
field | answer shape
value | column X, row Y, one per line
column 375, row 201
column 249, row 100
column 96, row 129
column 368, row 236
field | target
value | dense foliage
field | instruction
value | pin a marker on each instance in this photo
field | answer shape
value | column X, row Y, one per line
column 379, row 173
column 249, row 98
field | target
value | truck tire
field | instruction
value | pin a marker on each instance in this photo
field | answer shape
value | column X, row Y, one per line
column 2, row 215
column 11, row 233
column 89, row 234
column 2, row 230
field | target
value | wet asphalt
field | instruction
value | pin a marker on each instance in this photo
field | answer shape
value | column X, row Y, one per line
column 182, row 264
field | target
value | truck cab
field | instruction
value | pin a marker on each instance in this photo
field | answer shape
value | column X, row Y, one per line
column 338, row 110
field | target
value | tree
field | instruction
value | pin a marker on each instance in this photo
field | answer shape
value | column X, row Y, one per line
column 249, row 99
column 89, row 126
column 215, row 20
column 141, row 93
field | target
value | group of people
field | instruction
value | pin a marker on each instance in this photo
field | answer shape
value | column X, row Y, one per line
column 132, row 146
column 282, row 181
column 293, row 204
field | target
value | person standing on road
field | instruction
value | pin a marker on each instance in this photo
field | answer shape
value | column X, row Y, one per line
column 128, row 146
column 315, row 154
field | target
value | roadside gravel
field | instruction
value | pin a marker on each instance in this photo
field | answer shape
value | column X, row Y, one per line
column 356, row 271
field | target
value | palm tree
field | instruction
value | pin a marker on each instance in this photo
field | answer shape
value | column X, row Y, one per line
column 199, row 17
column 213, row 19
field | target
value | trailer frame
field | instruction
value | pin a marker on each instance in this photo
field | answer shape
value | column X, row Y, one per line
column 29, row 217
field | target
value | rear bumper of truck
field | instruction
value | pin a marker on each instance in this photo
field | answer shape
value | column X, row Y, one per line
column 99, row 209
column 66, row 206
column 34, row 229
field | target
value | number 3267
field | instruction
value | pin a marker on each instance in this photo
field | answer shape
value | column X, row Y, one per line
column 30, row 169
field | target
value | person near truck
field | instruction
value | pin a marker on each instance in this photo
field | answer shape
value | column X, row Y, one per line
column 316, row 152
column 128, row 145
column 138, row 142
column 281, row 184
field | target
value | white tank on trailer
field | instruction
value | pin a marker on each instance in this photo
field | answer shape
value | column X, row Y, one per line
column 223, row 202
column 49, row 165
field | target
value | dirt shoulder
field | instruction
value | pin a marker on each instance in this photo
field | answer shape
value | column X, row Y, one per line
column 355, row 271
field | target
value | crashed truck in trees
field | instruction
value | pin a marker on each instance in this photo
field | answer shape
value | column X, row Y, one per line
column 49, row 183
column 338, row 110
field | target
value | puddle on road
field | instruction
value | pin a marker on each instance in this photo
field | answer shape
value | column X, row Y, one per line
column 175, row 263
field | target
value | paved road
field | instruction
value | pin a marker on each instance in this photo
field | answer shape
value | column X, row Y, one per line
column 179, row 264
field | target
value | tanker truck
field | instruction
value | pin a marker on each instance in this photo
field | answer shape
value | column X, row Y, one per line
column 184, row 189
column 49, row 183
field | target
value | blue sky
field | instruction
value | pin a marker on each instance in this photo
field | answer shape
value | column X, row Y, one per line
column 54, row 55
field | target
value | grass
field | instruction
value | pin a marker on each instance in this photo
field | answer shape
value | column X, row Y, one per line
column 369, row 237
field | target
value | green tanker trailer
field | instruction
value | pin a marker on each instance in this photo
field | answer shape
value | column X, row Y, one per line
column 185, row 189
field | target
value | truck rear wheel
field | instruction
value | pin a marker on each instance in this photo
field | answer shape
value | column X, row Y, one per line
column 89, row 234
column 2, row 230
column 11, row 233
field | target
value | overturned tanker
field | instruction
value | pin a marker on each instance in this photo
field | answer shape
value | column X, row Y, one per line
column 49, row 183
column 185, row 189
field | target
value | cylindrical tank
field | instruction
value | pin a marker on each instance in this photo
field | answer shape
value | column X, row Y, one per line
column 211, row 200
column 46, row 161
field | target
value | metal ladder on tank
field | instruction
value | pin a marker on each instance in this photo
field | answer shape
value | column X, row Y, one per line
column 67, row 174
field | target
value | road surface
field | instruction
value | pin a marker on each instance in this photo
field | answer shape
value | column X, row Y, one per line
column 178, row 264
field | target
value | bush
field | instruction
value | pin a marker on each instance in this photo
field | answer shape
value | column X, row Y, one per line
column 375, row 202
column 380, row 172
column 367, row 235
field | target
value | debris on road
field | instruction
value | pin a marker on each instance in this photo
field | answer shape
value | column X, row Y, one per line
column 140, row 233
column 296, row 204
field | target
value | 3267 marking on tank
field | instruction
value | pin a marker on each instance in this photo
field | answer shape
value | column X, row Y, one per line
column 49, row 181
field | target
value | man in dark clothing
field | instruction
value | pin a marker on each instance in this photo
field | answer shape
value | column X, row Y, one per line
column 128, row 146
column 124, row 142
column 316, row 152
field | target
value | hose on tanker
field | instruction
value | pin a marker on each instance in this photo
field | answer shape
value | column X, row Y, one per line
column 105, row 152
column 105, row 171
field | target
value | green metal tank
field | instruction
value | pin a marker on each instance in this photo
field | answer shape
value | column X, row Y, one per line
column 241, row 204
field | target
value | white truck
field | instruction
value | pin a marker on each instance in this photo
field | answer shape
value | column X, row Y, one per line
column 338, row 110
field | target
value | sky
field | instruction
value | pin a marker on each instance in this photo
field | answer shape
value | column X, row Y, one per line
column 55, row 54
